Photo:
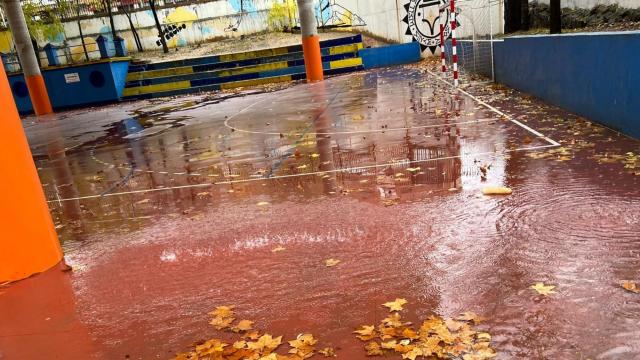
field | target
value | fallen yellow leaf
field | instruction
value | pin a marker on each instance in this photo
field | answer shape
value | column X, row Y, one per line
column 366, row 332
column 243, row 325
column 328, row 352
column 630, row 286
column 223, row 311
column 395, row 305
column 331, row 262
column 543, row 289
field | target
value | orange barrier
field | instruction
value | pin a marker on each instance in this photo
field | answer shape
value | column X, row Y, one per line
column 28, row 244
column 312, row 58
column 39, row 95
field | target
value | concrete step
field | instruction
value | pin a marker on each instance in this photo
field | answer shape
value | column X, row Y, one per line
column 236, row 68
column 240, row 57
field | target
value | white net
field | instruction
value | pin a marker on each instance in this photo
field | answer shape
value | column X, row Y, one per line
column 478, row 22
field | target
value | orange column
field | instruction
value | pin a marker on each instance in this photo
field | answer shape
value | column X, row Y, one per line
column 39, row 95
column 28, row 244
column 312, row 58
column 28, row 57
column 310, row 40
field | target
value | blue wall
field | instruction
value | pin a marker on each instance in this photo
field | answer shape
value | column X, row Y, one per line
column 390, row 55
column 595, row 75
column 99, row 82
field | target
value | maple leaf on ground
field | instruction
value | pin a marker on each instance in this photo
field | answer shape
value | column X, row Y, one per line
column 243, row 325
column 266, row 343
column 303, row 346
column 543, row 289
column 221, row 323
column 413, row 354
column 223, row 311
column 630, row 286
column 331, row 262
column 395, row 305
column 328, row 352
column 366, row 333
column 393, row 320
column 373, row 349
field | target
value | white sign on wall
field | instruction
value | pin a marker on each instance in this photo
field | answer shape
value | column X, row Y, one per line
column 72, row 78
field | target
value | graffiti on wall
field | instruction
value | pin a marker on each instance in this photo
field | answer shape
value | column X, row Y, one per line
column 333, row 15
column 423, row 20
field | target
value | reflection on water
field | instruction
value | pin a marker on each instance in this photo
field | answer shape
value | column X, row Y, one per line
column 381, row 170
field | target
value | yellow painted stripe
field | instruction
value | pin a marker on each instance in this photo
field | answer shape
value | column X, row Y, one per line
column 255, row 82
column 141, row 75
column 345, row 49
column 157, row 88
column 255, row 68
column 254, row 54
column 345, row 63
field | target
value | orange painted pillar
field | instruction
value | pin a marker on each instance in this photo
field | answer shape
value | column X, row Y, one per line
column 310, row 41
column 28, row 57
column 28, row 244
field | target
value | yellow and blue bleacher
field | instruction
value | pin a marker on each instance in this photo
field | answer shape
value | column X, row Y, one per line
column 228, row 71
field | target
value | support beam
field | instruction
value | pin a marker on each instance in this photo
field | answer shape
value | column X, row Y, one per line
column 28, row 243
column 28, row 57
column 310, row 41
column 555, row 13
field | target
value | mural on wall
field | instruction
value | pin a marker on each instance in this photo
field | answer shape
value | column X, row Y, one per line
column 423, row 21
column 334, row 15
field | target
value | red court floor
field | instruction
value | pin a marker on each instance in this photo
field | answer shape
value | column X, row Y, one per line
column 169, row 208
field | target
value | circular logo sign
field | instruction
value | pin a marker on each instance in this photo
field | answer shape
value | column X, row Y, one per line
column 424, row 19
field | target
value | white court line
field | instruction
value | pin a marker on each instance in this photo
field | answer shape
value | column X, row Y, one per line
column 229, row 182
column 362, row 131
column 536, row 133
column 552, row 143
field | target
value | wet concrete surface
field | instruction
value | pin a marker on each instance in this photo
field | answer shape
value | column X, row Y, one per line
column 167, row 209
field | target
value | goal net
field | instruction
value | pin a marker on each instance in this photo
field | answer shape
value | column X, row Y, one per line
column 478, row 22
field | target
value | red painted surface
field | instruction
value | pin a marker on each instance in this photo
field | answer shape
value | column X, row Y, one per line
column 148, row 266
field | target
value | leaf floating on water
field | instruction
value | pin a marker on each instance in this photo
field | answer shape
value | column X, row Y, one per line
column 243, row 326
column 497, row 190
column 436, row 338
column 278, row 249
column 331, row 262
column 395, row 305
column 223, row 311
column 221, row 323
column 543, row 289
column 630, row 286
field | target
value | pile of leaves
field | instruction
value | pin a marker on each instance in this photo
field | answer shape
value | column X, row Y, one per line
column 251, row 345
column 630, row 160
column 435, row 338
